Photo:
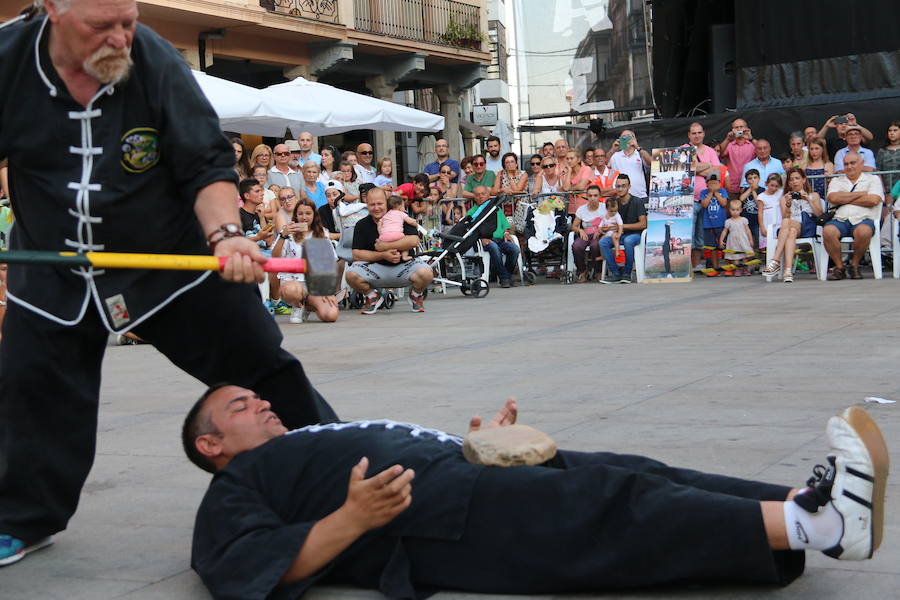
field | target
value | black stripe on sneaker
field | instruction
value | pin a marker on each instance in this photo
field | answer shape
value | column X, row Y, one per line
column 860, row 474
column 856, row 498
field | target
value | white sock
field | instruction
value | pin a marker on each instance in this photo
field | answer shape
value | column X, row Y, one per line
column 415, row 294
column 812, row 531
column 372, row 294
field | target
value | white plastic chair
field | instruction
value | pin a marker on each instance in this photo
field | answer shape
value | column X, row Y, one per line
column 895, row 244
column 817, row 248
column 874, row 254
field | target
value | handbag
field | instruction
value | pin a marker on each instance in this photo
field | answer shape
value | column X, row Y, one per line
column 826, row 216
column 808, row 225
column 520, row 215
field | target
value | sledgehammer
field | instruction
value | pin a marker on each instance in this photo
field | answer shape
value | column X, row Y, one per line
column 318, row 264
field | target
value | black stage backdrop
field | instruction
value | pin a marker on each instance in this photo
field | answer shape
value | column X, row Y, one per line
column 809, row 52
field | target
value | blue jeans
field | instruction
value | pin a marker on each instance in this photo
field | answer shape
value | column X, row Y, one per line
column 503, row 257
column 627, row 242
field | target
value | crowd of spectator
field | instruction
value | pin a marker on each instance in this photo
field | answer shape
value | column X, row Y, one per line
column 742, row 192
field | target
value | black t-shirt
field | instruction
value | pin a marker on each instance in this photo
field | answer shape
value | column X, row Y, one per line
column 632, row 211
column 365, row 234
column 249, row 222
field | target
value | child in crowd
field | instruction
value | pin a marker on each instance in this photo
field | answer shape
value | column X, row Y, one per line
column 612, row 221
column 750, row 209
column 769, row 206
column 713, row 202
column 736, row 238
column 431, row 218
column 385, row 177
column 390, row 228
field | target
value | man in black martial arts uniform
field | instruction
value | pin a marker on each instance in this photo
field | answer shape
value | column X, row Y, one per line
column 113, row 146
column 288, row 509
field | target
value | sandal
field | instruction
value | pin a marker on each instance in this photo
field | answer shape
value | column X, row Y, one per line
column 836, row 274
column 773, row 268
column 788, row 277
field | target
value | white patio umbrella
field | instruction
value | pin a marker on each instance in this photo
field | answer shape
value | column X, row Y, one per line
column 240, row 107
column 323, row 109
column 303, row 105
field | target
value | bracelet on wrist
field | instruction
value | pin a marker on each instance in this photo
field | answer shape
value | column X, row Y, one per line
column 227, row 230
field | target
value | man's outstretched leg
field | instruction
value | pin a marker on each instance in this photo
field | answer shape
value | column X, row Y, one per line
column 606, row 526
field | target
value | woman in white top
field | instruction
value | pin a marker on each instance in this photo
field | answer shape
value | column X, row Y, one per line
column 327, row 165
column 548, row 180
column 799, row 199
column 305, row 222
column 510, row 179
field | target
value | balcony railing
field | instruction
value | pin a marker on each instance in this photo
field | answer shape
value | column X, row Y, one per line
column 435, row 21
column 317, row 10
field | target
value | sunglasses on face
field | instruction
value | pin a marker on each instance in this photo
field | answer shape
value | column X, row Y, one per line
column 478, row 164
column 365, row 152
column 287, row 197
column 282, row 154
column 445, row 172
column 535, row 164
column 549, row 166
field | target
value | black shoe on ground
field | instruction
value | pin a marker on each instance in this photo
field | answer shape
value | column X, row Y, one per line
column 504, row 283
column 611, row 279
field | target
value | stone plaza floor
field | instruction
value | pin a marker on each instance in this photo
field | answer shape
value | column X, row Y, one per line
column 732, row 375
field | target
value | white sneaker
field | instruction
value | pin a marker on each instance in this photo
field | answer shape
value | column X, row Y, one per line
column 296, row 316
column 861, row 468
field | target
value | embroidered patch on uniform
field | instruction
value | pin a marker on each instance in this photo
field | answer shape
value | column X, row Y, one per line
column 117, row 310
column 140, row 149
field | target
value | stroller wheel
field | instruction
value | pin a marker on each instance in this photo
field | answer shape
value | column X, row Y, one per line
column 389, row 300
column 529, row 277
column 464, row 288
column 480, row 288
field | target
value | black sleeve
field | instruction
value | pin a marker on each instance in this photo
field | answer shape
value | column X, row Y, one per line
column 326, row 214
column 364, row 235
column 192, row 143
column 409, row 229
column 241, row 547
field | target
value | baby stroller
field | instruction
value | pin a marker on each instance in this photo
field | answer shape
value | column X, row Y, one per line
column 545, row 246
column 462, row 262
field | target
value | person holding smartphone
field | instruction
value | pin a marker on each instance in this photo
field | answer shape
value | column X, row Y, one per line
column 738, row 149
column 305, row 222
column 629, row 158
column 840, row 124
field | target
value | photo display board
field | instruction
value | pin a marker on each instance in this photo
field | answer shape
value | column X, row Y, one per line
column 670, row 215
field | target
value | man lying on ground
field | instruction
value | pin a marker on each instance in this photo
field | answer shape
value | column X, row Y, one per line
column 286, row 510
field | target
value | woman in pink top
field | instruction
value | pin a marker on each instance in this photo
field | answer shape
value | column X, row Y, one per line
column 576, row 176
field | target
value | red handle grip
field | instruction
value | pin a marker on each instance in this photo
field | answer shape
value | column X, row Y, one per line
column 275, row 265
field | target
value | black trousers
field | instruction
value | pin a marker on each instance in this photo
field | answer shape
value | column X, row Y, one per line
column 601, row 521
column 50, row 384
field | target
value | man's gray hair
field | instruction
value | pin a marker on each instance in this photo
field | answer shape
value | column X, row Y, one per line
column 61, row 5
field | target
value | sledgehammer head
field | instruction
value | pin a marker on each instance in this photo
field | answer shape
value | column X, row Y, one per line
column 321, row 267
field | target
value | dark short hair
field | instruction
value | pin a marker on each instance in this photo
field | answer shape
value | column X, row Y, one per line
column 197, row 424
column 593, row 186
column 612, row 200
column 624, row 176
column 588, row 149
column 422, row 179
column 507, row 155
column 751, row 172
column 548, row 144
column 492, row 138
column 246, row 185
